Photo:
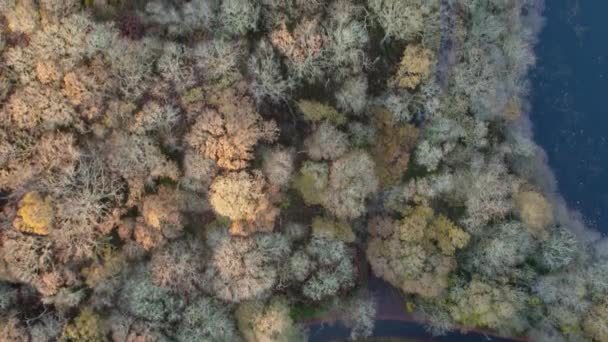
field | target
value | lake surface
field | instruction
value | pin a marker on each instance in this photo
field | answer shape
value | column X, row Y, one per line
column 569, row 104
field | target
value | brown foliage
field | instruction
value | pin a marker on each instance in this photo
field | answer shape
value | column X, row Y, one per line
column 52, row 152
column 36, row 106
column 88, row 87
column 139, row 160
column 393, row 146
column 161, row 219
column 228, row 129
column 302, row 43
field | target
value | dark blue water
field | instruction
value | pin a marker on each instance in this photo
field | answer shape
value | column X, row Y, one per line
column 570, row 103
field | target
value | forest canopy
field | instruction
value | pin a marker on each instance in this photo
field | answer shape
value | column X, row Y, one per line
column 206, row 170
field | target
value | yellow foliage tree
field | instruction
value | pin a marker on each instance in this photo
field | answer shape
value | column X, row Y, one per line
column 243, row 197
column 316, row 111
column 595, row 325
column 535, row 212
column 414, row 67
column 415, row 253
column 35, row 214
column 448, row 236
column 86, row 327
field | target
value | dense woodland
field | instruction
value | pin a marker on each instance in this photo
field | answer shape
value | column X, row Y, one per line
column 224, row 170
